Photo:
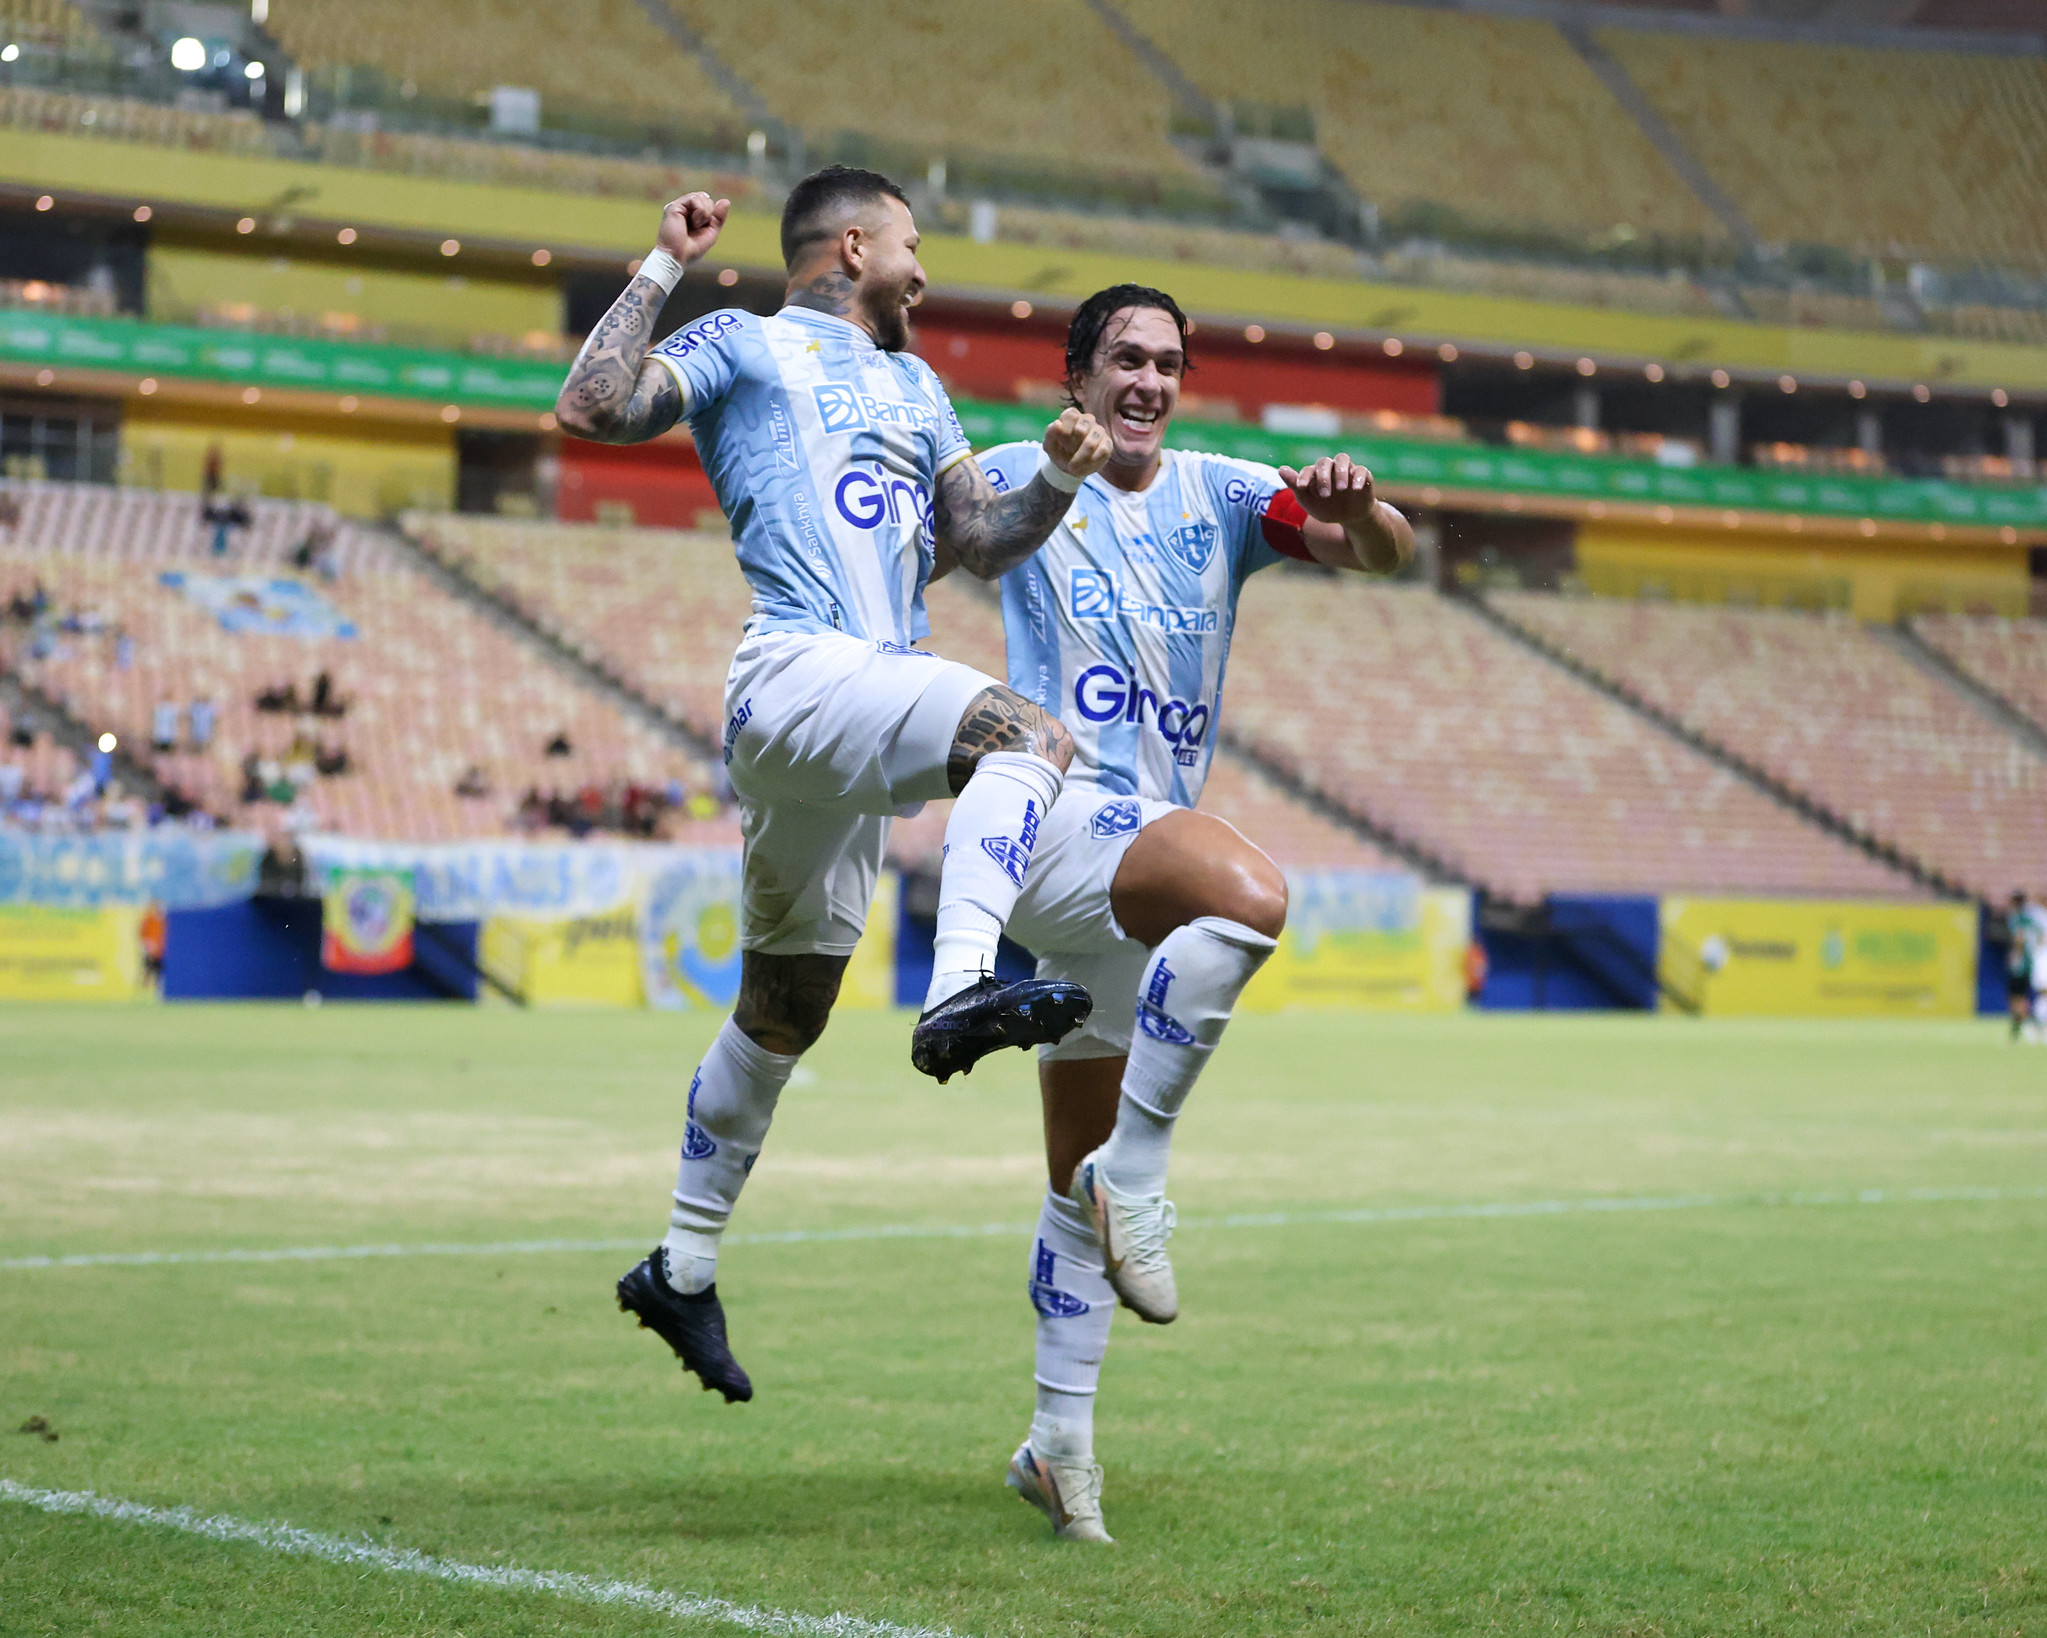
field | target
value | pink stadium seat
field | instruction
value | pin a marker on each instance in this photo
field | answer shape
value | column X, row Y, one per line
column 1829, row 709
column 1401, row 704
column 433, row 685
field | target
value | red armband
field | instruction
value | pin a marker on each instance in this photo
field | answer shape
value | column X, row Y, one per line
column 1283, row 523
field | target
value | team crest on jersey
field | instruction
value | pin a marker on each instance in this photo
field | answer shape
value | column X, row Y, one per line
column 1193, row 544
column 696, row 1142
column 1118, row 818
column 1152, row 1016
column 1047, row 1298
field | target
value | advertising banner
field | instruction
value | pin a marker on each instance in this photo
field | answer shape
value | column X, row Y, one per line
column 1819, row 958
column 49, row 953
column 1367, row 941
column 263, row 605
column 366, row 921
column 572, row 961
column 177, row 868
column 473, row 881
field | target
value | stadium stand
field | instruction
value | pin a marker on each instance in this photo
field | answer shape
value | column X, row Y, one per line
column 583, row 53
column 2009, row 657
column 48, row 22
column 1898, row 153
column 433, row 687
column 1048, row 83
column 667, row 606
column 1523, row 779
column 1496, row 118
column 1825, row 705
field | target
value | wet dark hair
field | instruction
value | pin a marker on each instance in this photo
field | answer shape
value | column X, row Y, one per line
column 820, row 196
column 1091, row 318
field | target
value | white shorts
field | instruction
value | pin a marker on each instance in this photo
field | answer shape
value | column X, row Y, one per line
column 1064, row 916
column 825, row 737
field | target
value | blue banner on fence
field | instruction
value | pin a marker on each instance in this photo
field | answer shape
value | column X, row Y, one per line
column 472, row 881
column 177, row 868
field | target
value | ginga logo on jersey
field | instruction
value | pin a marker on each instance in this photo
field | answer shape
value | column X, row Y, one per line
column 704, row 330
column 867, row 499
column 1094, row 595
column 1103, row 694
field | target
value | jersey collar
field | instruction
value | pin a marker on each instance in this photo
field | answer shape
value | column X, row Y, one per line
column 830, row 322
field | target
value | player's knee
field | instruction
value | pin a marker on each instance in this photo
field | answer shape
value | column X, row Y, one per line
column 1001, row 719
column 1255, row 896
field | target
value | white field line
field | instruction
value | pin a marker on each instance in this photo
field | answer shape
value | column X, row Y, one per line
column 1587, row 1206
column 582, row 1589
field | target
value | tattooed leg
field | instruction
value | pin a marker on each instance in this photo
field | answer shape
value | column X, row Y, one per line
column 1000, row 719
column 786, row 1000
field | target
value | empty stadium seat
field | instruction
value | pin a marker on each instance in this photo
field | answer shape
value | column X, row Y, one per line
column 1825, row 706
column 2009, row 657
column 434, row 686
column 587, row 54
column 1400, row 703
column 1495, row 118
column 1886, row 152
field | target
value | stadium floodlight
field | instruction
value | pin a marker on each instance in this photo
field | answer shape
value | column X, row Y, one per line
column 10, row 52
column 108, row 742
column 188, row 55
column 253, row 71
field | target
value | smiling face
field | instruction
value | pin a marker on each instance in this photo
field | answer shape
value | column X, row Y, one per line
column 888, row 278
column 1132, row 388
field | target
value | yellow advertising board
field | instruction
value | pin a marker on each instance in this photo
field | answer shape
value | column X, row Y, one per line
column 1367, row 943
column 870, row 979
column 576, row 961
column 50, row 954
column 1814, row 959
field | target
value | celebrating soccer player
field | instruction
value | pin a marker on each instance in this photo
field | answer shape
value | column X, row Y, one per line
column 843, row 469
column 1120, row 627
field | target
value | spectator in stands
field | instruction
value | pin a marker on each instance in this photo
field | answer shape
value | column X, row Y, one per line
column 330, row 760
column 316, row 551
column 10, row 511
column 201, row 718
column 279, row 697
column 253, row 789
column 124, row 649
column 472, row 783
column 12, row 777
column 163, row 730
column 327, row 700
column 559, row 745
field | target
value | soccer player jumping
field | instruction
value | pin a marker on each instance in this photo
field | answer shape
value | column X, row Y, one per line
column 1121, row 628
column 843, row 469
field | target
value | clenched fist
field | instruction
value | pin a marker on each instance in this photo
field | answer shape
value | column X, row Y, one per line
column 690, row 225
column 1078, row 444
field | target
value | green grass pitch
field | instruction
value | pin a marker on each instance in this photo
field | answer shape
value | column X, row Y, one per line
column 1743, row 1414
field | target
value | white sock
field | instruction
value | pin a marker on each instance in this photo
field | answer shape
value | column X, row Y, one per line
column 1189, row 988
column 731, row 1102
column 988, row 842
column 1075, row 1305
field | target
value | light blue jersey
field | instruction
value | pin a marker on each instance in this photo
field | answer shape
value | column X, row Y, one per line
column 1120, row 625
column 824, row 451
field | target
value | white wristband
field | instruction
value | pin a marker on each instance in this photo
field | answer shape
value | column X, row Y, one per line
column 1049, row 470
column 663, row 269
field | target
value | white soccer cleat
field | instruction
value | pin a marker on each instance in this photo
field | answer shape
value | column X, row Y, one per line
column 1067, row 1493
column 1132, row 1231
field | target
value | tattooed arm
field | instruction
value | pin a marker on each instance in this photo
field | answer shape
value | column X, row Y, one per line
column 614, row 394
column 990, row 533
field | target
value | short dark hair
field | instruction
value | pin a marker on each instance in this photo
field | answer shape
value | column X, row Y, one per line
column 822, row 194
column 1091, row 318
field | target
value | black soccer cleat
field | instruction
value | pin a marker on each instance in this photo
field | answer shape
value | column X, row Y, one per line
column 988, row 1015
column 693, row 1326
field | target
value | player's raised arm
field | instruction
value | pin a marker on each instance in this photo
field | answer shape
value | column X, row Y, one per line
column 613, row 395
column 989, row 533
column 1348, row 526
